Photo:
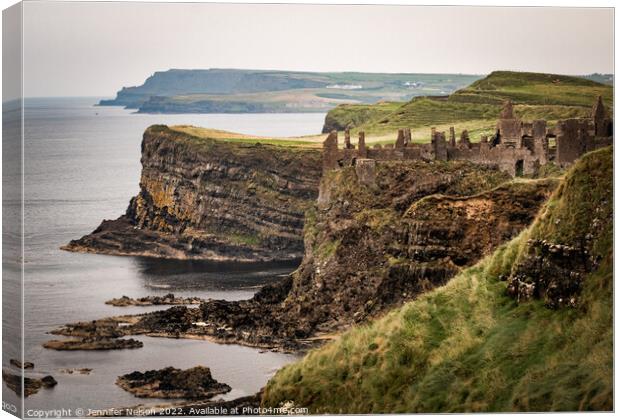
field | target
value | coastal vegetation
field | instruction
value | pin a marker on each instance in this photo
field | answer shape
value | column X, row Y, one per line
column 470, row 346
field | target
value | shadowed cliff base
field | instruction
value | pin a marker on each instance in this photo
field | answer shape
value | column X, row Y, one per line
column 202, row 198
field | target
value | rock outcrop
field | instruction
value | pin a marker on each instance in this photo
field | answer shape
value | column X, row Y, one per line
column 169, row 299
column 208, row 199
column 369, row 249
column 194, row 383
column 30, row 385
column 21, row 365
column 571, row 238
column 93, row 344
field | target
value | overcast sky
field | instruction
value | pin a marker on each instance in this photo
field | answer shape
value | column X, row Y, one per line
column 93, row 49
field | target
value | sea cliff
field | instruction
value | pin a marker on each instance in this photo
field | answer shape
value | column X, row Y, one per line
column 202, row 198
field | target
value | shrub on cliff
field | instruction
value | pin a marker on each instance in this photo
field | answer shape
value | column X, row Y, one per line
column 470, row 346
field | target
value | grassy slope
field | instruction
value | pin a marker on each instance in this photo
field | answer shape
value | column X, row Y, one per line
column 469, row 347
column 533, row 89
column 536, row 95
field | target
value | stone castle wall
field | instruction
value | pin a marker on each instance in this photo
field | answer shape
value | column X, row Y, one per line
column 518, row 147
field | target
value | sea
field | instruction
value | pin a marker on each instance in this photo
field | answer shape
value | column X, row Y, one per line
column 82, row 165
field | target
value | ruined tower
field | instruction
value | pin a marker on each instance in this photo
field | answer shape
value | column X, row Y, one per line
column 347, row 139
column 464, row 142
column 540, row 147
column 361, row 145
column 572, row 138
column 439, row 144
column 330, row 151
column 407, row 136
column 602, row 124
column 400, row 140
column 509, row 127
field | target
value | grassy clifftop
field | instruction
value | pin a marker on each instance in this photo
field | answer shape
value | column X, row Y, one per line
column 476, row 107
column 533, row 89
column 469, row 346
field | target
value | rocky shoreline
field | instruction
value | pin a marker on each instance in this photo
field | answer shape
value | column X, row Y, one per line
column 420, row 224
column 168, row 299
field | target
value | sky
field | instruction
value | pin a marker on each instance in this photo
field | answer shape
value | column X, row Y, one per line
column 93, row 49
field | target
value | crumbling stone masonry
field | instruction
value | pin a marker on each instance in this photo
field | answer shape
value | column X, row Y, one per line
column 517, row 147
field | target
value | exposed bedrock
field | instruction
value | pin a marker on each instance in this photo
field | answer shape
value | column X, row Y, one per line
column 208, row 199
column 194, row 383
column 169, row 299
column 571, row 240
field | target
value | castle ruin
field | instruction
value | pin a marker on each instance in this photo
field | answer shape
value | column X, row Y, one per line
column 517, row 147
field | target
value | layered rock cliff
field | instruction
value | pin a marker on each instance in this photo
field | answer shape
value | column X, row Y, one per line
column 204, row 198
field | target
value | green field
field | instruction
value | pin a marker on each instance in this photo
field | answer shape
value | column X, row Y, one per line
column 468, row 346
column 535, row 95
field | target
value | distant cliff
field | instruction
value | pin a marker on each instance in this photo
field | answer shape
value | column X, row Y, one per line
column 208, row 199
column 245, row 91
column 210, row 81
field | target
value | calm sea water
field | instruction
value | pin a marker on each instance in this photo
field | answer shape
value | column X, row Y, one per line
column 82, row 166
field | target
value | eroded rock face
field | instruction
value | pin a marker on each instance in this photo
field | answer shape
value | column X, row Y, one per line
column 571, row 239
column 552, row 272
column 191, row 383
column 370, row 249
column 208, row 199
